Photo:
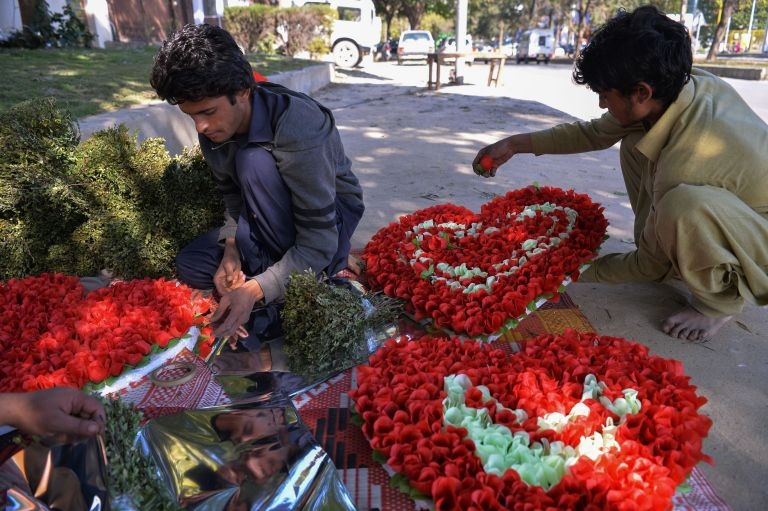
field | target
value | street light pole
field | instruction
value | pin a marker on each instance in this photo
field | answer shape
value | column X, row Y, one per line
column 461, row 39
column 749, row 31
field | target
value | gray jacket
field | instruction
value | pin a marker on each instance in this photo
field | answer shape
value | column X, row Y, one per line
column 311, row 160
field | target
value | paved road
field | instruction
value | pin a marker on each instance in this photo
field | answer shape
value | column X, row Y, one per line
column 552, row 85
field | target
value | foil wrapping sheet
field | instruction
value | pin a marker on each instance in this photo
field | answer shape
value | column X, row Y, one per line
column 246, row 456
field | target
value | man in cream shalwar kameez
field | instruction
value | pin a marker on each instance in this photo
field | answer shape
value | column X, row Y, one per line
column 696, row 172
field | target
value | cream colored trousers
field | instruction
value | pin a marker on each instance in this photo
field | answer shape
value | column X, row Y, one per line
column 705, row 235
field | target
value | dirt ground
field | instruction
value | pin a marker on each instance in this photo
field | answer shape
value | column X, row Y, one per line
column 412, row 148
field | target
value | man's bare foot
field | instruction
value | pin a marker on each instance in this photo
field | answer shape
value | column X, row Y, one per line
column 691, row 325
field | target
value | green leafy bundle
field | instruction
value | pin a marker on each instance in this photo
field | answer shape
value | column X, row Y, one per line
column 106, row 204
column 325, row 324
column 133, row 481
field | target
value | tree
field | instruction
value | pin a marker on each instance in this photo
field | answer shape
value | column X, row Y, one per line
column 387, row 9
column 414, row 10
column 725, row 15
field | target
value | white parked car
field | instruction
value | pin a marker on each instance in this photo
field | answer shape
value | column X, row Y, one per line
column 414, row 45
column 448, row 45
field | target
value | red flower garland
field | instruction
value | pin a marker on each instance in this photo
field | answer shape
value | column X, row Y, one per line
column 52, row 335
column 477, row 274
column 400, row 397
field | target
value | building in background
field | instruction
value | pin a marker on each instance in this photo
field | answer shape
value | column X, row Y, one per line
column 123, row 22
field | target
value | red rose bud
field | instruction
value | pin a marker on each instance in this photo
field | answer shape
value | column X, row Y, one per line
column 487, row 163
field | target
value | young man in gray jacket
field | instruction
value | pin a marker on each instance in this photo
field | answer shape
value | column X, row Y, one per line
column 291, row 199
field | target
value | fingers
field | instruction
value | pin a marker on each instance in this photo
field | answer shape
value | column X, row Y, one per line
column 91, row 411
column 61, row 414
column 229, row 281
column 484, row 164
column 241, row 333
column 76, row 427
column 233, row 312
column 220, row 312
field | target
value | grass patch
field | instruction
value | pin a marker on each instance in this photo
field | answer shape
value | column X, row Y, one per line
column 93, row 81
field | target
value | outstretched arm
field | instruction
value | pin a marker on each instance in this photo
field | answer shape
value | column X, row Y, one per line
column 501, row 151
column 60, row 414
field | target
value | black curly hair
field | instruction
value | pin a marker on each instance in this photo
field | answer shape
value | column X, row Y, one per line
column 198, row 62
column 644, row 45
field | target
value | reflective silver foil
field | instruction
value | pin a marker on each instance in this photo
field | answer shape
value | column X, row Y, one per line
column 247, row 456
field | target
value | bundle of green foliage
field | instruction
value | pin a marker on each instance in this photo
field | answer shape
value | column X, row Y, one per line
column 106, row 204
column 133, row 481
column 325, row 324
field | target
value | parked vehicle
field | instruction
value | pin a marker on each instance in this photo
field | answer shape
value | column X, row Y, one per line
column 414, row 45
column 448, row 45
column 536, row 44
column 356, row 31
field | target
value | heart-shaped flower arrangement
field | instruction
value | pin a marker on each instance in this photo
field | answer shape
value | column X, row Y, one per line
column 478, row 274
column 575, row 421
column 52, row 334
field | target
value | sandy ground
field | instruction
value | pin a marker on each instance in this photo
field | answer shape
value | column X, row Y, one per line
column 412, row 148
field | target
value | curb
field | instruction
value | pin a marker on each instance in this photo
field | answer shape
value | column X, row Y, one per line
column 166, row 121
column 741, row 73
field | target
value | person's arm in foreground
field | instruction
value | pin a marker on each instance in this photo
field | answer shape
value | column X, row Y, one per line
column 62, row 414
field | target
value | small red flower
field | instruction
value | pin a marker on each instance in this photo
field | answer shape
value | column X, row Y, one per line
column 487, row 163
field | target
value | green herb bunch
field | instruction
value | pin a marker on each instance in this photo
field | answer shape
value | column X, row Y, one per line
column 325, row 324
column 132, row 480
column 106, row 203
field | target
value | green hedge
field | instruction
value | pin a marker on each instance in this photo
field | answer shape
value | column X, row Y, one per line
column 106, row 203
column 270, row 29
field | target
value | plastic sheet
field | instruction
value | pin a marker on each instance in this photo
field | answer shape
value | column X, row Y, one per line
column 247, row 456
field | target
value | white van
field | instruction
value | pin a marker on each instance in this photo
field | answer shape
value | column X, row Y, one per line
column 536, row 44
column 355, row 33
column 414, row 45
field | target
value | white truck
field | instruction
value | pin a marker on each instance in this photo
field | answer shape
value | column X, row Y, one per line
column 536, row 44
column 355, row 33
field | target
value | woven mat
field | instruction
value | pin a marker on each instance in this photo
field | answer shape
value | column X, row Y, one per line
column 325, row 409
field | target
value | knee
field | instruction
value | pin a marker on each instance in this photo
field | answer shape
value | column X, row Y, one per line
column 185, row 269
column 685, row 204
column 193, row 271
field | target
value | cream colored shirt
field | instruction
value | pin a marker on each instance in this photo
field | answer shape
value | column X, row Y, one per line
column 708, row 136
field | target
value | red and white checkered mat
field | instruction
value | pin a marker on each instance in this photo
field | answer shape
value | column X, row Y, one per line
column 200, row 391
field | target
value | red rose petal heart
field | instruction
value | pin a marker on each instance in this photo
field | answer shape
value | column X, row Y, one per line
column 400, row 399
column 478, row 274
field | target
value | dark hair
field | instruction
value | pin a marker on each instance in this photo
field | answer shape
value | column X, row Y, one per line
column 642, row 46
column 198, row 62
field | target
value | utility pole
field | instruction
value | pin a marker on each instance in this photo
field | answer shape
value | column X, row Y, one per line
column 749, row 31
column 462, row 9
column 683, row 9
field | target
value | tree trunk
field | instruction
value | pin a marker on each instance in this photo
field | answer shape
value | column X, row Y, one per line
column 581, row 28
column 725, row 15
